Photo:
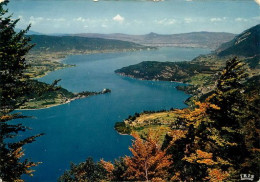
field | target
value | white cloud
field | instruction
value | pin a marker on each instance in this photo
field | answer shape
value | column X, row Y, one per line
column 80, row 19
column 188, row 20
column 256, row 18
column 215, row 19
column 118, row 18
column 35, row 20
column 165, row 21
column 258, row 2
column 241, row 19
column 58, row 19
column 24, row 21
column 218, row 19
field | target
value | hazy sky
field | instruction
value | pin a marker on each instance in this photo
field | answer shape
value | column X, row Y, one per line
column 135, row 16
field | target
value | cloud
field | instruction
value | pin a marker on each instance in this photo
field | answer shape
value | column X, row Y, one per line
column 256, row 18
column 35, row 20
column 188, row 20
column 258, row 2
column 56, row 19
column 21, row 18
column 80, row 19
column 218, row 19
column 241, row 19
column 215, row 19
column 39, row 20
column 165, row 21
column 118, row 18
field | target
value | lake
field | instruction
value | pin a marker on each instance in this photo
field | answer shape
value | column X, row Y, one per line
column 84, row 128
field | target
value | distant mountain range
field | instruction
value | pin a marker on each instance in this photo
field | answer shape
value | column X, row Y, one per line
column 195, row 39
column 30, row 32
column 202, row 70
column 204, row 39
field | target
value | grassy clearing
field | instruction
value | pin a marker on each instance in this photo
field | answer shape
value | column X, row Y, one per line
column 42, row 64
column 158, row 122
column 200, row 79
column 159, row 130
column 145, row 119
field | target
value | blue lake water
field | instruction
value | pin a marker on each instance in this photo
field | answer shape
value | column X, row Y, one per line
column 84, row 127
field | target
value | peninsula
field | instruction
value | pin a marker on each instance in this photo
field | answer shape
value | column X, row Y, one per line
column 201, row 74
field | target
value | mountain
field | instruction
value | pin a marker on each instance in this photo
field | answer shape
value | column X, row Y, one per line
column 30, row 32
column 244, row 44
column 79, row 44
column 201, row 71
column 48, row 51
column 167, row 71
column 195, row 39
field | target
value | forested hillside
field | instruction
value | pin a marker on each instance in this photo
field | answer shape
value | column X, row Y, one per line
column 201, row 71
column 80, row 44
column 199, row 143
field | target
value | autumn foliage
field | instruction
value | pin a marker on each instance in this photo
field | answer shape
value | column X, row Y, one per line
column 148, row 162
column 216, row 146
column 215, row 140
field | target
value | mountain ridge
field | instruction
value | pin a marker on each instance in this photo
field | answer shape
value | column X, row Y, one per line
column 193, row 39
column 202, row 79
column 68, row 43
column 239, row 46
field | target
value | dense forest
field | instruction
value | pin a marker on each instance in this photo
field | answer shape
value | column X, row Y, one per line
column 83, row 44
column 202, row 143
column 14, row 89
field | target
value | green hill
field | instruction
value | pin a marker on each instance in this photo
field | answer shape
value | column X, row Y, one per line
column 202, row 71
column 49, row 50
column 79, row 44
column 168, row 71
column 245, row 44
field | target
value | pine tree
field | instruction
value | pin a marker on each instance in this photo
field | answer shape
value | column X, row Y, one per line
column 14, row 87
column 87, row 171
column 119, row 170
column 216, row 147
column 239, row 117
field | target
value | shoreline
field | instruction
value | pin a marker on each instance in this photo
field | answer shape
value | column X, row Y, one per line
column 67, row 102
column 56, row 69
column 64, row 56
column 54, row 105
column 143, row 79
column 77, row 96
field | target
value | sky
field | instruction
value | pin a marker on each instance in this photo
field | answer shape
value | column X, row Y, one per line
column 136, row 16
